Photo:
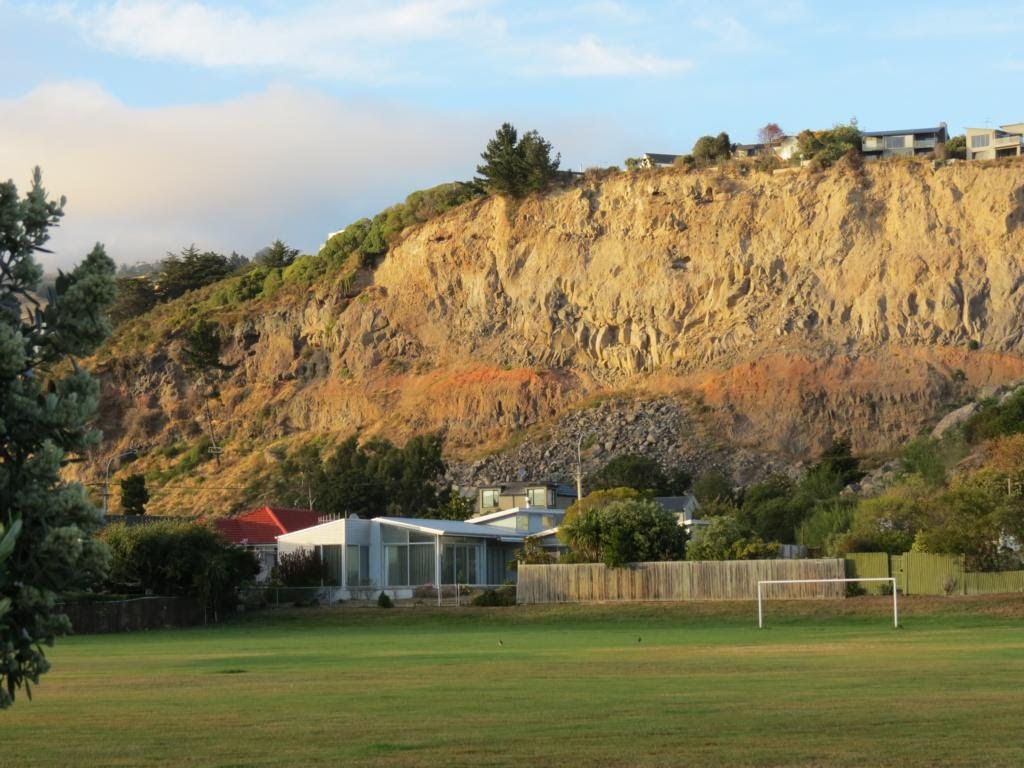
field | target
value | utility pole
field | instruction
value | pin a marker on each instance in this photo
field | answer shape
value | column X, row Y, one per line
column 131, row 453
column 579, row 467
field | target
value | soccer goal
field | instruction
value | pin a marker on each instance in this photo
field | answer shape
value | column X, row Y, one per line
column 760, row 600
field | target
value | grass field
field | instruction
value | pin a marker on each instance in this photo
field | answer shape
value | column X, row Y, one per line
column 646, row 685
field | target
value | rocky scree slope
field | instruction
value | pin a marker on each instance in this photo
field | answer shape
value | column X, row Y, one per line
column 769, row 313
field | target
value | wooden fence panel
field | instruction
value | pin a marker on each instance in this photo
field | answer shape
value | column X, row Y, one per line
column 869, row 565
column 927, row 574
column 675, row 581
column 993, row 583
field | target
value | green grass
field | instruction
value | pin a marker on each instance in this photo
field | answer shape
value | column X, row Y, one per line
column 825, row 684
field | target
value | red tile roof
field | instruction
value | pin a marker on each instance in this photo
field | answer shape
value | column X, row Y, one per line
column 263, row 525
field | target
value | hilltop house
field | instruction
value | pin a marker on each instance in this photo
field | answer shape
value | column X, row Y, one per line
column 657, row 160
column 257, row 531
column 990, row 143
column 784, row 149
column 905, row 141
column 544, row 495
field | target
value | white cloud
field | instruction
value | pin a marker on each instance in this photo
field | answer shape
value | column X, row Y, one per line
column 326, row 39
column 284, row 162
column 280, row 163
column 589, row 57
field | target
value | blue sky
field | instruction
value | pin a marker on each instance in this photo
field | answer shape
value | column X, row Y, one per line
column 230, row 124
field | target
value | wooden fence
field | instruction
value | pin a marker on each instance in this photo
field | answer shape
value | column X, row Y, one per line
column 921, row 573
column 710, row 580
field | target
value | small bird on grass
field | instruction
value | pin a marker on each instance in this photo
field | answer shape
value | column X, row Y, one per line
column 639, row 639
column 500, row 644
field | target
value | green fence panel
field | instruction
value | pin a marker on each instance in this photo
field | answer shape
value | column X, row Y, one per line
column 927, row 574
column 896, row 571
column 868, row 565
column 991, row 583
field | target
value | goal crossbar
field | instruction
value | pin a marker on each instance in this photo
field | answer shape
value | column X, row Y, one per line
column 760, row 606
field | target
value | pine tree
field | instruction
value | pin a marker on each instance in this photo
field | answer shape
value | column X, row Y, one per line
column 277, row 255
column 46, row 406
column 517, row 166
column 503, row 171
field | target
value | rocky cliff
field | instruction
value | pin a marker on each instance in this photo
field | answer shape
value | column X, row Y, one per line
column 741, row 320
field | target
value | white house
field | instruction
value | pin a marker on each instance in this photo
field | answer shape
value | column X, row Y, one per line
column 990, row 143
column 400, row 554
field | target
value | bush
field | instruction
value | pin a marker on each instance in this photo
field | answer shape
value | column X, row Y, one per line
column 994, row 418
column 171, row 557
column 383, row 601
column 726, row 538
column 641, row 473
column 823, row 148
column 626, row 531
column 712, row 486
column 494, row 598
column 302, row 568
column 304, row 270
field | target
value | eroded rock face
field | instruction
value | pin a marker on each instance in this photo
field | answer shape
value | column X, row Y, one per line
column 784, row 311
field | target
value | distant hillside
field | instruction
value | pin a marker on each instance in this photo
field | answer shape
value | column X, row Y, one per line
column 756, row 315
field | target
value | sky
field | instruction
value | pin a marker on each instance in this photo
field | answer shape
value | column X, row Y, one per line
column 229, row 125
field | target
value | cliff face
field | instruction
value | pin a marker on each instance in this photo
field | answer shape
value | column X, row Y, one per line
column 773, row 311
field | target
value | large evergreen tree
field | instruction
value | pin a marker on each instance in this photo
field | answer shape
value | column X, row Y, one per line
column 517, row 166
column 46, row 406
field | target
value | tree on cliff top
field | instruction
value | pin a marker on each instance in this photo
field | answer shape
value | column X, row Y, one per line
column 517, row 166
column 771, row 134
column 46, row 406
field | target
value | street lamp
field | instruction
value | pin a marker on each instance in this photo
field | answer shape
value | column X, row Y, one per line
column 131, row 453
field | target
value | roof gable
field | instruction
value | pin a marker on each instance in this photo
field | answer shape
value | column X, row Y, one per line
column 264, row 525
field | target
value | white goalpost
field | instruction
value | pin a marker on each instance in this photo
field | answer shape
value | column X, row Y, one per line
column 760, row 607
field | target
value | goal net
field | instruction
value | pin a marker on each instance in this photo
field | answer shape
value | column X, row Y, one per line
column 760, row 594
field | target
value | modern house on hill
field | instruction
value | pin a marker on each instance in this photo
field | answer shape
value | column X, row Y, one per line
column 545, row 495
column 990, row 143
column 784, row 149
column 257, row 531
column 905, row 141
column 657, row 160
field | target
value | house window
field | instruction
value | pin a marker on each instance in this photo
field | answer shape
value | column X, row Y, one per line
column 357, row 565
column 459, row 564
column 979, row 140
column 522, row 522
column 895, row 142
column 409, row 564
column 547, row 521
column 537, row 497
column 489, row 498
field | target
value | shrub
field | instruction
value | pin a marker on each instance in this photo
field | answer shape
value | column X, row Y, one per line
column 383, row 601
column 712, row 486
column 271, row 283
column 493, row 598
column 823, row 148
column 301, row 568
column 994, row 418
column 726, row 538
column 304, row 270
column 626, row 531
column 640, row 472
column 711, row 148
column 171, row 557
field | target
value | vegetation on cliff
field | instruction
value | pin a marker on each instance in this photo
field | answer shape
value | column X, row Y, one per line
column 768, row 314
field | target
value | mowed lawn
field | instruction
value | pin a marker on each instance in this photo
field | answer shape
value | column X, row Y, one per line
column 645, row 685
